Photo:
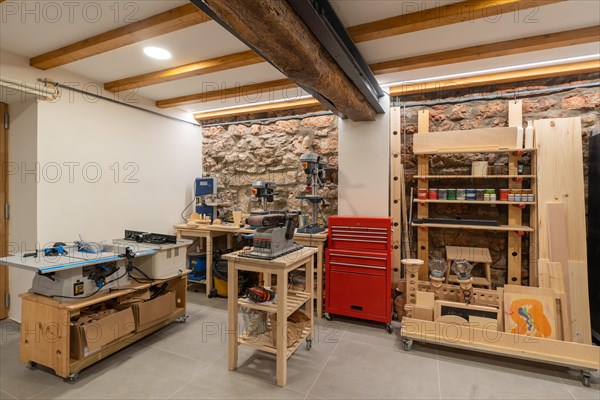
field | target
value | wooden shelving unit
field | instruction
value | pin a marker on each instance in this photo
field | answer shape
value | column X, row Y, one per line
column 488, row 140
column 285, row 303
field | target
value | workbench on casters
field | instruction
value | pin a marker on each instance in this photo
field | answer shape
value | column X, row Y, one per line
column 286, row 302
column 209, row 232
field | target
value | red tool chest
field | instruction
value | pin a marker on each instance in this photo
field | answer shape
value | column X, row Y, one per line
column 359, row 268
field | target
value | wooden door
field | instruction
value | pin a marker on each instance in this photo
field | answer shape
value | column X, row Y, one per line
column 3, row 201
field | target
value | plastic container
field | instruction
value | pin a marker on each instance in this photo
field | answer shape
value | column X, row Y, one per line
column 197, row 263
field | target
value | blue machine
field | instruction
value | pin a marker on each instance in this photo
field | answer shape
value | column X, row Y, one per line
column 205, row 187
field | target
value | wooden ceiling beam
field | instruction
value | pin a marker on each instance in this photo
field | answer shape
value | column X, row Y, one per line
column 253, row 91
column 508, row 47
column 494, row 79
column 279, row 106
column 156, row 25
column 216, row 64
column 464, row 11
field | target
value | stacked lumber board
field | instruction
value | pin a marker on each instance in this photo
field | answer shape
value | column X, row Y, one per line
column 561, row 220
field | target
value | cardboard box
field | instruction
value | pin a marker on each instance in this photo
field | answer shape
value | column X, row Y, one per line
column 89, row 335
column 152, row 312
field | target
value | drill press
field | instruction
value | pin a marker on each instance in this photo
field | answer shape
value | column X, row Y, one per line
column 274, row 235
column 263, row 191
column 314, row 167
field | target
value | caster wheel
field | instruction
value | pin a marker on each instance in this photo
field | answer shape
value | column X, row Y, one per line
column 32, row 364
column 407, row 344
column 73, row 377
column 389, row 329
column 394, row 317
column 183, row 320
column 585, row 378
column 328, row 317
column 308, row 344
column 213, row 293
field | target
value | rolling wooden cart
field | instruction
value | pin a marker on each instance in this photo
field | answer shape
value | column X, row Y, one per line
column 286, row 302
column 46, row 330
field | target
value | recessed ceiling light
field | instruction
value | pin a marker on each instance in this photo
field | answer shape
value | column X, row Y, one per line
column 157, row 52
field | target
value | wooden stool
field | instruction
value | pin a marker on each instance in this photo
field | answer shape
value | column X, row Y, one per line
column 474, row 255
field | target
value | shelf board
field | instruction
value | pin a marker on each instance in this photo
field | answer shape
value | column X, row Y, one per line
column 505, row 228
column 491, row 203
column 472, row 177
column 473, row 150
column 295, row 300
column 264, row 342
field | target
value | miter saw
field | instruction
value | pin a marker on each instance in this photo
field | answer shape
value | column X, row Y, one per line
column 314, row 167
column 274, row 235
column 263, row 191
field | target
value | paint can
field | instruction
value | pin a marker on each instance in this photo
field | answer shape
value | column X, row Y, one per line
column 504, row 194
column 451, row 194
column 470, row 194
column 461, row 194
column 422, row 194
column 433, row 194
column 479, row 194
column 443, row 194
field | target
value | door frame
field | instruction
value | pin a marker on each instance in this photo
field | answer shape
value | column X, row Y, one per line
column 3, row 200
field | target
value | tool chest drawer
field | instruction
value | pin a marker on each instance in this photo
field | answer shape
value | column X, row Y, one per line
column 358, row 295
column 370, row 263
column 366, row 233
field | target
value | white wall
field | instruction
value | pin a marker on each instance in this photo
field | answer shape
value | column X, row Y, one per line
column 364, row 166
column 166, row 156
column 147, row 164
column 22, row 150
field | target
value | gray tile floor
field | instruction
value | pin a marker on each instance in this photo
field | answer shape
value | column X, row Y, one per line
column 349, row 360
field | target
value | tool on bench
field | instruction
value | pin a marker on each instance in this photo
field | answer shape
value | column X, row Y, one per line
column 314, row 167
column 263, row 191
column 274, row 235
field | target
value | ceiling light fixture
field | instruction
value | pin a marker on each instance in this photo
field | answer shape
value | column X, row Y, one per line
column 157, row 53
column 499, row 69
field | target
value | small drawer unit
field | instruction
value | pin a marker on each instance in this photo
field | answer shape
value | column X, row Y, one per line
column 359, row 270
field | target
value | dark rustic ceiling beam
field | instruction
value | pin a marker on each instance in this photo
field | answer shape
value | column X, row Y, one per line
column 280, row 36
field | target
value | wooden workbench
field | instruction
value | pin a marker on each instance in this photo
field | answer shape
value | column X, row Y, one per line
column 209, row 232
column 45, row 326
column 286, row 302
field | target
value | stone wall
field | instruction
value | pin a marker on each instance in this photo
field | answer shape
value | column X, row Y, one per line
column 467, row 113
column 239, row 154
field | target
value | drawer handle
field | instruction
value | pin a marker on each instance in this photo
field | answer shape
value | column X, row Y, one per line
column 356, row 265
column 353, row 256
column 358, row 227
column 356, row 308
column 358, row 240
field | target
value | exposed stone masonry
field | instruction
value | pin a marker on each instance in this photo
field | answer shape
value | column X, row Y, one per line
column 240, row 154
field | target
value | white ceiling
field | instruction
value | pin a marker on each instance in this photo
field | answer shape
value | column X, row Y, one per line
column 22, row 34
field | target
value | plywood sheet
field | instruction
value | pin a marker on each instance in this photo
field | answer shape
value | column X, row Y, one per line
column 560, row 180
column 426, row 299
column 459, row 141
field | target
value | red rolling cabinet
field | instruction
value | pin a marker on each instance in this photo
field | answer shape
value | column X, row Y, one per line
column 359, row 268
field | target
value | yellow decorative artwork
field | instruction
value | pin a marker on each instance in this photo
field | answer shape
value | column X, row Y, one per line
column 530, row 311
